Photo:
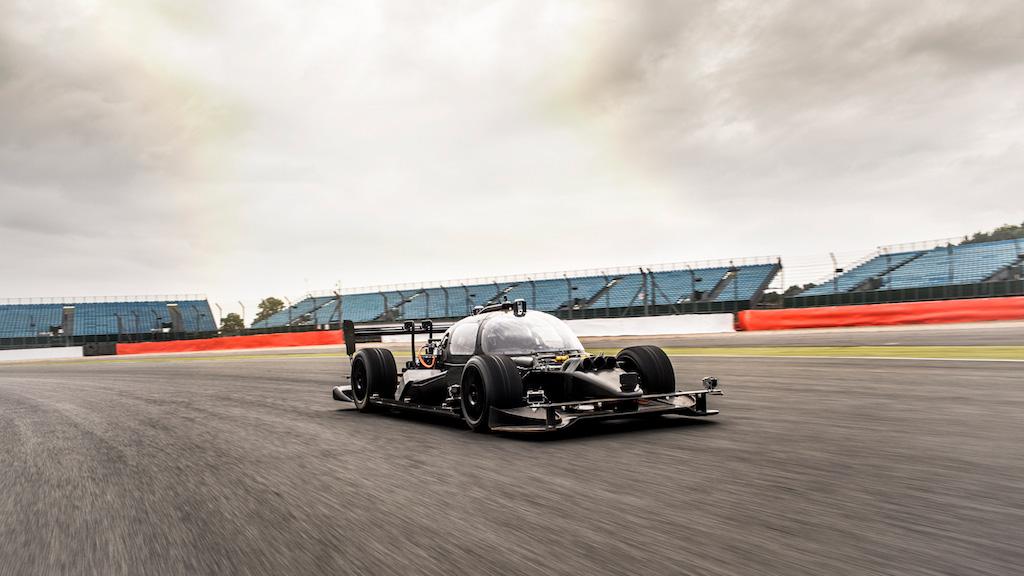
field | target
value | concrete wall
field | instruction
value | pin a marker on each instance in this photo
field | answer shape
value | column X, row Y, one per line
column 40, row 354
column 654, row 325
column 647, row 326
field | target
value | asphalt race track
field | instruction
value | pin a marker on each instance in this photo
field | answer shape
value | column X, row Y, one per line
column 242, row 465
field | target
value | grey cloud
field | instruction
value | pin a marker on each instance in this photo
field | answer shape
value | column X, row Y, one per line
column 239, row 147
column 780, row 59
column 76, row 111
column 818, row 79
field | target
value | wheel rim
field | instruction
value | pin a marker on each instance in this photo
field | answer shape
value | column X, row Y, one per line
column 473, row 397
column 359, row 383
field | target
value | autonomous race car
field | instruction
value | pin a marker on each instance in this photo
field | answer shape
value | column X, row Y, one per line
column 509, row 369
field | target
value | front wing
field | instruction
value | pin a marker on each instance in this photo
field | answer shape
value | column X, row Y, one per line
column 556, row 416
column 549, row 417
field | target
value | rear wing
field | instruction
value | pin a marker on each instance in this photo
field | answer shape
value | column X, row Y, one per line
column 374, row 332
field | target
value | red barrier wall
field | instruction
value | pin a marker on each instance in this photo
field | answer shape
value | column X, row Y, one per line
column 314, row 338
column 939, row 312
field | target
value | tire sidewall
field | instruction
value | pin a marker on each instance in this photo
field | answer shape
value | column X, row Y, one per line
column 657, row 375
column 360, row 368
column 499, row 383
column 380, row 374
column 476, row 368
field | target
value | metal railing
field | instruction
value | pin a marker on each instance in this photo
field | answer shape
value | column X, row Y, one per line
column 103, row 299
column 920, row 246
column 833, row 276
column 611, row 271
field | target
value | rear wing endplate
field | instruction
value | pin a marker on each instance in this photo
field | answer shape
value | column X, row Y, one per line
column 374, row 332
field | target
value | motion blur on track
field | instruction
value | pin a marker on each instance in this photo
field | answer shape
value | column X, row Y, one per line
column 229, row 465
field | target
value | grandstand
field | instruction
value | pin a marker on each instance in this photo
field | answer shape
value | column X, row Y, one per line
column 890, row 274
column 109, row 317
column 621, row 292
column 939, row 266
column 927, row 271
column 301, row 313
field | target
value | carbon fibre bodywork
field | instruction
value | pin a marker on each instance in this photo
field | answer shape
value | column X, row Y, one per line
column 550, row 382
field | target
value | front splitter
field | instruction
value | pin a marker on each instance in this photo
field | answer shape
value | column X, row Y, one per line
column 551, row 419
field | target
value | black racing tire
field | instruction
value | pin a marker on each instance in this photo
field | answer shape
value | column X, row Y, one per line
column 489, row 380
column 653, row 366
column 373, row 372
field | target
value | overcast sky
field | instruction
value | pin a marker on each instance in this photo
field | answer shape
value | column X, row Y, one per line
column 244, row 148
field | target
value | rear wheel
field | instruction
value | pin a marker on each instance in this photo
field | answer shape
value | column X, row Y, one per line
column 653, row 366
column 489, row 380
column 373, row 373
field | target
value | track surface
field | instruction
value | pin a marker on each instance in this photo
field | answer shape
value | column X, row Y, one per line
column 223, row 466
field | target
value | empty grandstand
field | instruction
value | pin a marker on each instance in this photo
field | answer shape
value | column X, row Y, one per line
column 935, row 270
column 104, row 319
column 925, row 271
column 938, row 271
column 673, row 288
column 298, row 314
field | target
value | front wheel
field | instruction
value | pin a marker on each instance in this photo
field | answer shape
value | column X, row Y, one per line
column 489, row 380
column 653, row 366
column 373, row 373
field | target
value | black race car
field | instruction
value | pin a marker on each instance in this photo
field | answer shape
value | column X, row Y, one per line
column 511, row 370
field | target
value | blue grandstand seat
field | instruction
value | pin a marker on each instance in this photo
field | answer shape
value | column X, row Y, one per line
column 675, row 286
column 438, row 303
column 356, row 307
column 941, row 266
column 326, row 313
column 103, row 318
column 625, row 292
column 28, row 320
column 859, row 274
column 966, row 264
column 416, row 307
column 196, row 315
column 362, row 307
column 545, row 295
column 296, row 314
column 483, row 294
column 747, row 282
column 548, row 294
column 586, row 287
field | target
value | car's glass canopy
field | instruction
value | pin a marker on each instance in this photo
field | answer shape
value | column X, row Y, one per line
column 506, row 333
